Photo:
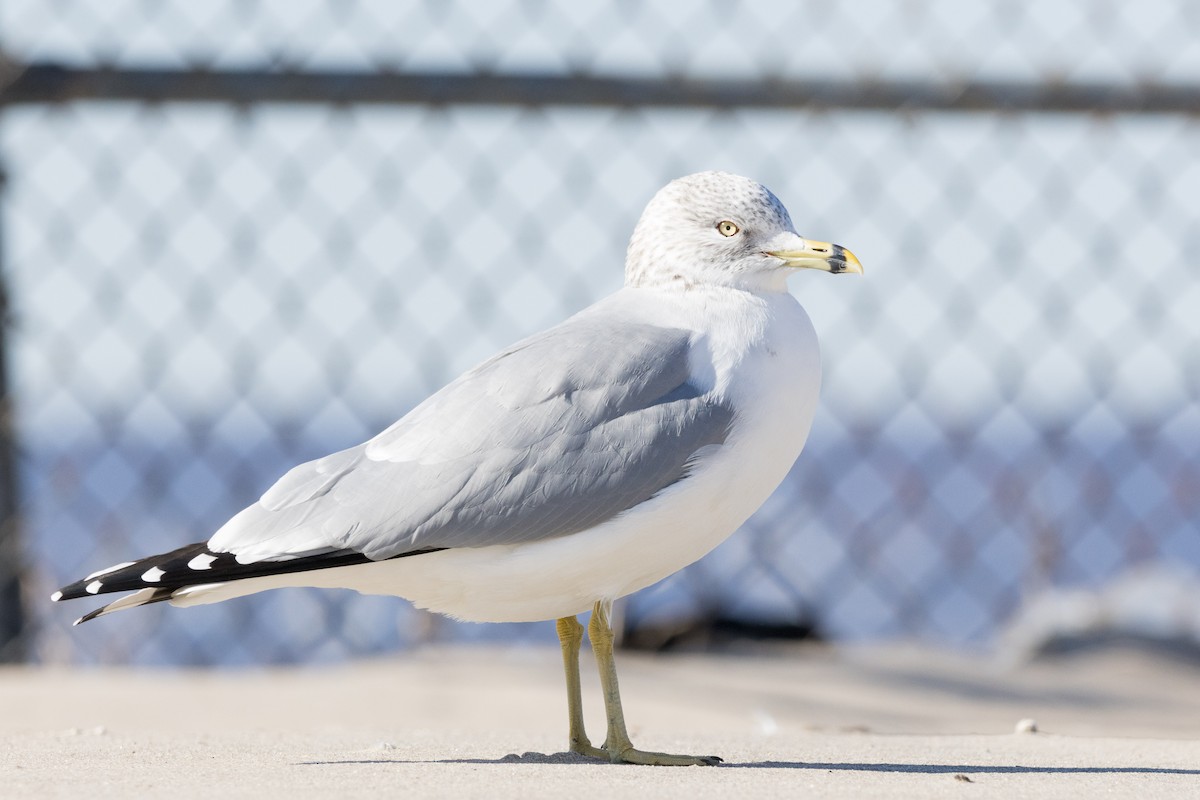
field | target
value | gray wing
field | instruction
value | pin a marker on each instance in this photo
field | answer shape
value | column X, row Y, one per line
column 557, row 434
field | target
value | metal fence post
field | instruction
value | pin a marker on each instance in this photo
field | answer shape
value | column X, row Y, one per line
column 12, row 621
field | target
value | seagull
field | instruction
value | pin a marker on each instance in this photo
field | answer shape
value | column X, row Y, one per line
column 575, row 467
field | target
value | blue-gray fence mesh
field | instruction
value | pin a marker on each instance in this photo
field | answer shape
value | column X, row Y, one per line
column 204, row 295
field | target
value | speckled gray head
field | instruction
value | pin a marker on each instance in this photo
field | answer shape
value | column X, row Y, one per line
column 717, row 228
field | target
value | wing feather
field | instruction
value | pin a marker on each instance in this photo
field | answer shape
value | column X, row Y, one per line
column 545, row 439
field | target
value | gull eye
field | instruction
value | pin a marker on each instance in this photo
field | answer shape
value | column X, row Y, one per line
column 727, row 228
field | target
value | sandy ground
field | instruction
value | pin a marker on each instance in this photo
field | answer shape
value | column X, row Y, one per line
column 799, row 721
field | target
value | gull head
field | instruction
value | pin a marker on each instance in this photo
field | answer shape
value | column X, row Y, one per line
column 720, row 229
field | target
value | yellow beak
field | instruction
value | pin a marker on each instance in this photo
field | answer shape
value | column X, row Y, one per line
column 819, row 255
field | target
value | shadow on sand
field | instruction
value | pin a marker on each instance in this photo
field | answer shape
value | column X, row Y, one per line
column 926, row 769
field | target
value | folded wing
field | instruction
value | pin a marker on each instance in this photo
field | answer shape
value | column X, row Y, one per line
column 557, row 434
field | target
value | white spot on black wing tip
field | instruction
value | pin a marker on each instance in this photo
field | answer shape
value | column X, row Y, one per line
column 153, row 575
column 93, row 587
column 98, row 573
column 54, row 598
column 202, row 561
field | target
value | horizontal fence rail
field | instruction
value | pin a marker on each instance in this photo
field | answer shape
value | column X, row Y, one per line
column 53, row 83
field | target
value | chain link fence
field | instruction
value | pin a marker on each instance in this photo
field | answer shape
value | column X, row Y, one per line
column 204, row 294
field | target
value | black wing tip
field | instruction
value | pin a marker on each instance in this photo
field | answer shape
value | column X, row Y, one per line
column 91, row 615
column 142, row 597
column 126, row 576
column 73, row 591
column 197, row 564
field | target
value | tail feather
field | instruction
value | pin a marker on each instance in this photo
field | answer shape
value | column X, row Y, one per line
column 157, row 578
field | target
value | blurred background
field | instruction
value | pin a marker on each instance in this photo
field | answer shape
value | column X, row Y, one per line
column 238, row 235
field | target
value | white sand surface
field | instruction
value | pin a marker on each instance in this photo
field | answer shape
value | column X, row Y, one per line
column 490, row 722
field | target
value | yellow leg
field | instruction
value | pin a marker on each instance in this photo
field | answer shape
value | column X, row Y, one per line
column 619, row 748
column 570, row 635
